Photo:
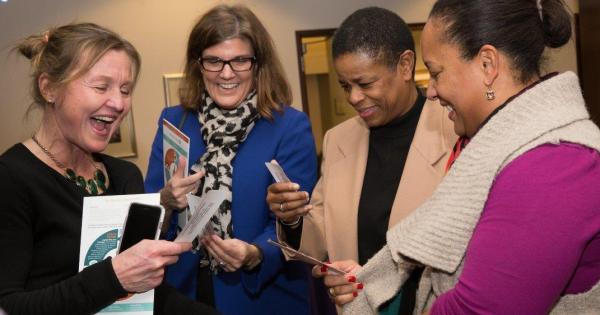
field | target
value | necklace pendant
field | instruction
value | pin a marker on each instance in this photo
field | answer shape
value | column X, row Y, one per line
column 71, row 174
column 91, row 187
column 80, row 181
column 100, row 180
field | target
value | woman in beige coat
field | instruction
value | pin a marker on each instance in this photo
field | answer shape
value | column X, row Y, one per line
column 377, row 167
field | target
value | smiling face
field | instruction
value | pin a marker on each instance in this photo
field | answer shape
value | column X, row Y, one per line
column 379, row 94
column 454, row 81
column 229, row 88
column 89, row 109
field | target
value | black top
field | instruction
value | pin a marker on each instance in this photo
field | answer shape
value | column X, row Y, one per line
column 40, row 229
column 388, row 149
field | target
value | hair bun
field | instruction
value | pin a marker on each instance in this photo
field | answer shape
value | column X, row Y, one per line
column 556, row 23
column 32, row 46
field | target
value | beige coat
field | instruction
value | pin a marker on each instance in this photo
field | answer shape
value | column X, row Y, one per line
column 330, row 229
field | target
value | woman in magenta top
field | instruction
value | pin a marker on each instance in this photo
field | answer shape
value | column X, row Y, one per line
column 537, row 238
column 514, row 228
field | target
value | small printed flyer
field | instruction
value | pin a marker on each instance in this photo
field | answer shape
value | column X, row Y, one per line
column 101, row 229
column 175, row 144
column 277, row 172
column 203, row 208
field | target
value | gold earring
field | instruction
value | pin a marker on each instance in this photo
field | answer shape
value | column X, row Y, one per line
column 490, row 94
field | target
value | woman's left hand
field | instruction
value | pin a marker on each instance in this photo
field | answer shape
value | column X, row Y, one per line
column 342, row 289
column 232, row 253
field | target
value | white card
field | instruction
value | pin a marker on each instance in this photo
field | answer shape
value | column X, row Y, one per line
column 101, row 228
column 202, row 209
column 277, row 172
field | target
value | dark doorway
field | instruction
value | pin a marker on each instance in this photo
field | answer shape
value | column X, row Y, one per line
column 588, row 50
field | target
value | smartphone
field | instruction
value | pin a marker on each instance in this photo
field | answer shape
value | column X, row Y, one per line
column 142, row 222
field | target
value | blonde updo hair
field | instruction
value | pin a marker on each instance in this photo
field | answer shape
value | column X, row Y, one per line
column 67, row 52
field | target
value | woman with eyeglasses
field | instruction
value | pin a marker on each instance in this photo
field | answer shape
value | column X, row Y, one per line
column 234, row 109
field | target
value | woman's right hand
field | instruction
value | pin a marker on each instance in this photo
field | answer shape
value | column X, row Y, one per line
column 172, row 196
column 141, row 267
column 286, row 202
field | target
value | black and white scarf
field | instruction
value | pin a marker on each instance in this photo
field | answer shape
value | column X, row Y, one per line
column 223, row 131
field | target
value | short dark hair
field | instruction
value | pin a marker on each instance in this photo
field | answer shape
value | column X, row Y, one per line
column 225, row 22
column 515, row 27
column 377, row 32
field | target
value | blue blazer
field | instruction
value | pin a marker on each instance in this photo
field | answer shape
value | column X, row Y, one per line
column 275, row 286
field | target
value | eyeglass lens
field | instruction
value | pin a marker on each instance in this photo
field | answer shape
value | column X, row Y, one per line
column 217, row 64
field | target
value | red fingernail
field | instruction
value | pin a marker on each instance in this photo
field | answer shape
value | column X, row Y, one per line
column 323, row 268
column 351, row 279
column 360, row 286
column 354, row 294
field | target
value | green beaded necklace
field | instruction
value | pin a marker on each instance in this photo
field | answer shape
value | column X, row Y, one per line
column 94, row 186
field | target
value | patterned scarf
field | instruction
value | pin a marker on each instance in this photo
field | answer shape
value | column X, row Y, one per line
column 223, row 131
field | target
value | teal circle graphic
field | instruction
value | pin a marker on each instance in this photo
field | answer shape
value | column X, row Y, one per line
column 101, row 247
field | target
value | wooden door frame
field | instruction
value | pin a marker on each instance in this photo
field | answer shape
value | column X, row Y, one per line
column 325, row 32
column 578, row 47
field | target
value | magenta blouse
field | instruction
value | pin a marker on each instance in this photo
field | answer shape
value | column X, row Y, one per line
column 538, row 237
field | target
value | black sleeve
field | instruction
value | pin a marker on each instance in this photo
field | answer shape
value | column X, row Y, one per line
column 170, row 301
column 293, row 235
column 135, row 184
column 84, row 293
column 125, row 176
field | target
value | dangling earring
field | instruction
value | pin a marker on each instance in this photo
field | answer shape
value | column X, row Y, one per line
column 490, row 94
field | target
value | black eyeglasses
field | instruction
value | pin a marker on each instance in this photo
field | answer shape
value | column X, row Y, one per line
column 238, row 64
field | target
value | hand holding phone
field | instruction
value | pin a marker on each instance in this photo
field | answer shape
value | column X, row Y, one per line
column 141, row 267
column 142, row 222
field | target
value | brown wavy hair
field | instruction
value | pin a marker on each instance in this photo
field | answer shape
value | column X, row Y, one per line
column 225, row 22
column 67, row 52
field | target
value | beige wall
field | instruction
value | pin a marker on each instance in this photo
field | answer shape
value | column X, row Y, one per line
column 159, row 30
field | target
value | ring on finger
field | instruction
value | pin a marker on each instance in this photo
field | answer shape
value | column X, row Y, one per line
column 332, row 292
column 281, row 207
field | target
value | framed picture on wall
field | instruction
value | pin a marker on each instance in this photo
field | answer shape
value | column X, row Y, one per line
column 171, row 84
column 122, row 143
